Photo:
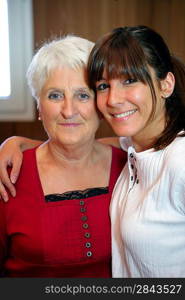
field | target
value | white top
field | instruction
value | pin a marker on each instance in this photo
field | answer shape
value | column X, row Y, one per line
column 148, row 213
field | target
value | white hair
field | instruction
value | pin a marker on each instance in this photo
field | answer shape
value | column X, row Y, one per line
column 70, row 50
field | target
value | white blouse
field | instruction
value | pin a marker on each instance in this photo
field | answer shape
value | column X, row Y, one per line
column 148, row 213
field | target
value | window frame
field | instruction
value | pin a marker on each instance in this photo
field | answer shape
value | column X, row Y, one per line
column 19, row 106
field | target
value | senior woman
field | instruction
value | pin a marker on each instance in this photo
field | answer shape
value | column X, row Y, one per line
column 58, row 224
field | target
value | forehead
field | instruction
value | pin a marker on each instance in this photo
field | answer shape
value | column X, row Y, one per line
column 119, row 58
column 67, row 77
column 128, row 74
column 65, row 74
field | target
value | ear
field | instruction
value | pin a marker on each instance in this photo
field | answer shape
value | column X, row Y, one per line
column 167, row 85
column 39, row 113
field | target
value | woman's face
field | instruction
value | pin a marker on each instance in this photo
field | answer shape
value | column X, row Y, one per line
column 67, row 107
column 127, row 105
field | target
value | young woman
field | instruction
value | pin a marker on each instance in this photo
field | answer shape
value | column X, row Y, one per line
column 140, row 90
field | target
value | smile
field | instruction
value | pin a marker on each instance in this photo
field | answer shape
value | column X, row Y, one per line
column 125, row 114
column 69, row 124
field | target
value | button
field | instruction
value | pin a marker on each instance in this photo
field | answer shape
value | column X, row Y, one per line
column 131, row 155
column 87, row 245
column 84, row 218
column 137, row 181
column 131, row 178
column 82, row 202
column 89, row 253
column 132, row 166
column 82, row 209
column 87, row 235
column 85, row 225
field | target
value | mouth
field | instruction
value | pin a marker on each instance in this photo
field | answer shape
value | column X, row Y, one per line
column 69, row 124
column 124, row 115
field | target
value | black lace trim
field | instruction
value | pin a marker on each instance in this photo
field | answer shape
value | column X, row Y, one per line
column 77, row 194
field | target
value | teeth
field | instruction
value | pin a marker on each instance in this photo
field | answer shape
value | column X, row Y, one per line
column 125, row 114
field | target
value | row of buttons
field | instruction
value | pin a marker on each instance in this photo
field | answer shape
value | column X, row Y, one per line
column 133, row 177
column 85, row 226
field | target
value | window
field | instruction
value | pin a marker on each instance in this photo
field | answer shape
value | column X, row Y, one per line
column 4, row 50
column 16, row 51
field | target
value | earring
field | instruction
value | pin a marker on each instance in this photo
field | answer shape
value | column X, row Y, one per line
column 39, row 118
column 165, row 97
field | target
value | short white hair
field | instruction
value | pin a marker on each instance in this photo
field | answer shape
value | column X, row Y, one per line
column 70, row 50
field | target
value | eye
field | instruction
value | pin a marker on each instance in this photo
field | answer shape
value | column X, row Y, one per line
column 130, row 81
column 55, row 95
column 83, row 96
column 102, row 86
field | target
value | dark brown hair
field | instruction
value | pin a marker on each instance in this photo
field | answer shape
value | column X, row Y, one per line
column 130, row 51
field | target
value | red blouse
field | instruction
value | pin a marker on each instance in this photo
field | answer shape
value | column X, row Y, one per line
column 68, row 238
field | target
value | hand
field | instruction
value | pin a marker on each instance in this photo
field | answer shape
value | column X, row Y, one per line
column 10, row 156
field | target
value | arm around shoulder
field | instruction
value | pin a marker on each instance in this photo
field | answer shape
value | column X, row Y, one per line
column 113, row 141
column 11, row 156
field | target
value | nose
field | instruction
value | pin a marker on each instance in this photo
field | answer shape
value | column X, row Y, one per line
column 115, row 96
column 68, row 109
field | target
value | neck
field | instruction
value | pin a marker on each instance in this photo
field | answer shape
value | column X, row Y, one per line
column 69, row 154
column 143, row 144
column 146, row 139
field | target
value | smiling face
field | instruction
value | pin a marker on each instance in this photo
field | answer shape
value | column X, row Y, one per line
column 127, row 105
column 67, row 107
column 131, row 68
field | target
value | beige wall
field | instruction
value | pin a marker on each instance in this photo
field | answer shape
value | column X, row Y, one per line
column 91, row 19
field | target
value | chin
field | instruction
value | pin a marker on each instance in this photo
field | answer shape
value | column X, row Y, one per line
column 123, row 131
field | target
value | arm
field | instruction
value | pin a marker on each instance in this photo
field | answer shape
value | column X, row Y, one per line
column 114, row 141
column 11, row 155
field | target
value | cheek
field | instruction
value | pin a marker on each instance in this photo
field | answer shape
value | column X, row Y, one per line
column 142, row 98
column 90, row 113
column 137, row 95
column 48, row 112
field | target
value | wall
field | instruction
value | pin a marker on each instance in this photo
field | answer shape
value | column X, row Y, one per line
column 91, row 19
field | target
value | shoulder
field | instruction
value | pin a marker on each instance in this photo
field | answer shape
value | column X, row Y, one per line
column 29, row 153
column 27, row 162
column 173, row 158
column 176, row 169
column 28, row 169
column 29, row 158
column 175, row 152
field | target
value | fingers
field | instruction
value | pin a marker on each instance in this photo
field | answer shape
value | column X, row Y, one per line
column 16, row 166
column 3, row 192
column 10, row 157
column 5, row 183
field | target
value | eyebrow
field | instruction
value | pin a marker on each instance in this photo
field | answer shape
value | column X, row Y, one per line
column 82, row 89
column 73, row 89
